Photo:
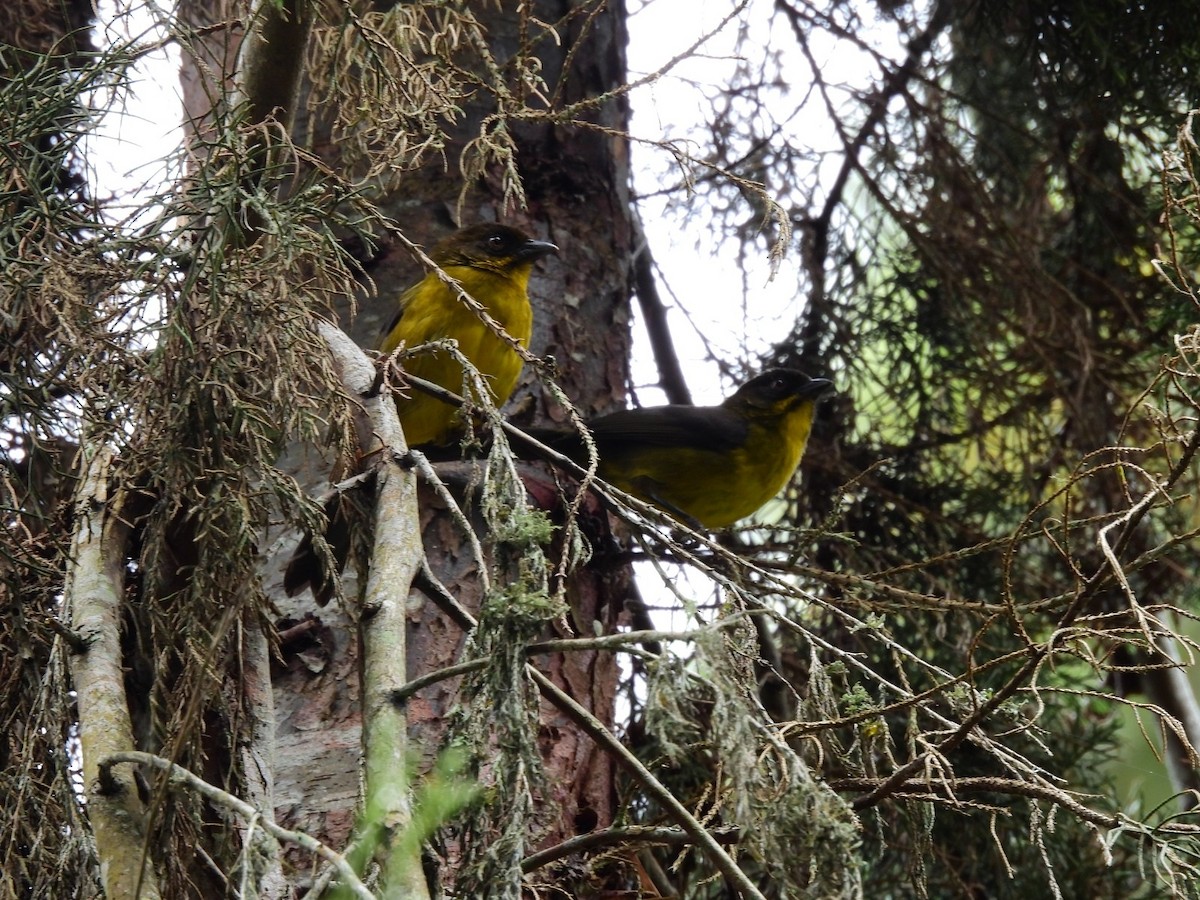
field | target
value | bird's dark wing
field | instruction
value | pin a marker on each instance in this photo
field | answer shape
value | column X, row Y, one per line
column 713, row 428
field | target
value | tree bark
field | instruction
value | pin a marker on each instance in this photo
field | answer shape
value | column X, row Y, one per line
column 576, row 182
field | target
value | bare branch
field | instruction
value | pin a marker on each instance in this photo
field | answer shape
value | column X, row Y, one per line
column 629, row 834
column 611, row 745
column 181, row 776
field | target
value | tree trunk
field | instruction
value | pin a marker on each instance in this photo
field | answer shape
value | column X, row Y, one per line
column 576, row 184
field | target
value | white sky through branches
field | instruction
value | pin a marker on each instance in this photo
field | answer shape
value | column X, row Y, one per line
column 727, row 295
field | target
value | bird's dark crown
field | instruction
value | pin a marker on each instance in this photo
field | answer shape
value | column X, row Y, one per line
column 774, row 386
column 489, row 245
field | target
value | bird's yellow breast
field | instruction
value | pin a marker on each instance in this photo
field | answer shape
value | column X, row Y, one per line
column 432, row 311
column 716, row 488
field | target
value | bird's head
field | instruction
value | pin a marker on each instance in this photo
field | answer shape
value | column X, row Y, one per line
column 778, row 391
column 490, row 246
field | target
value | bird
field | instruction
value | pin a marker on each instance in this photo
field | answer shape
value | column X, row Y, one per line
column 705, row 465
column 492, row 262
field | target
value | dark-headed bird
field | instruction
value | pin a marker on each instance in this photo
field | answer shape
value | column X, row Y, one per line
column 492, row 263
column 706, row 465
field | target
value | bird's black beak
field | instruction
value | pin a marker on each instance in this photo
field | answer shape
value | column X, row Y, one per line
column 817, row 387
column 532, row 250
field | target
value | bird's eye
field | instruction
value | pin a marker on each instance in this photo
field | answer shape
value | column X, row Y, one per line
column 495, row 242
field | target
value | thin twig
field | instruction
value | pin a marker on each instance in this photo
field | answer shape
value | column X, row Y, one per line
column 630, row 834
column 621, row 641
column 1038, row 654
column 181, row 776
column 655, row 788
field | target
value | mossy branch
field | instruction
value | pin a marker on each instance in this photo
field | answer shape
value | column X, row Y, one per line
column 93, row 596
column 396, row 559
column 270, row 67
column 606, row 740
column 272, row 59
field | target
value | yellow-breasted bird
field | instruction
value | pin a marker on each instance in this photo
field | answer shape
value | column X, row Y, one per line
column 710, row 465
column 493, row 263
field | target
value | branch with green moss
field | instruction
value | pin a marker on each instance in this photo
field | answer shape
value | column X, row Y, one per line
column 95, row 582
column 396, row 558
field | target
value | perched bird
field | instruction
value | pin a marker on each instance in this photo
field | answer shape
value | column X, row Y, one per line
column 492, row 263
column 706, row 465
